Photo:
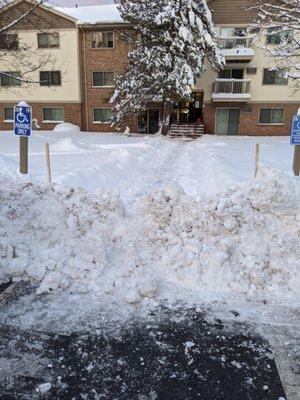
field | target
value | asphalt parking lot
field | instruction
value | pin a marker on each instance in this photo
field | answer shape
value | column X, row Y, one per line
column 170, row 354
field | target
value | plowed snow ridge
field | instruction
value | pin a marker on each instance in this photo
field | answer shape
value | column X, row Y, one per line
column 244, row 240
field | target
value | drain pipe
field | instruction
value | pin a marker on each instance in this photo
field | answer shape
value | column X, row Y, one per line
column 85, row 82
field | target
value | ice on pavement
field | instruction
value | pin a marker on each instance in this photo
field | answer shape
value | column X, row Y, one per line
column 243, row 240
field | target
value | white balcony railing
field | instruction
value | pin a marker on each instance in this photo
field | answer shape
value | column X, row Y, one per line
column 234, row 42
column 231, row 89
column 234, row 86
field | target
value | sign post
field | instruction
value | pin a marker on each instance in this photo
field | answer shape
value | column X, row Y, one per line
column 295, row 140
column 23, row 128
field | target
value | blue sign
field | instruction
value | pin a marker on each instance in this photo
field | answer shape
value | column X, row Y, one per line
column 295, row 134
column 22, row 120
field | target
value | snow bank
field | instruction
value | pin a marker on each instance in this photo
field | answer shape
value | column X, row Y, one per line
column 245, row 240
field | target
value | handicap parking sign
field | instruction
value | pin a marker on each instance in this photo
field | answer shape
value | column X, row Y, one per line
column 22, row 120
column 295, row 134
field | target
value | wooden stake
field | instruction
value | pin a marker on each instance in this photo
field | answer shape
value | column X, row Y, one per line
column 23, row 154
column 256, row 159
column 48, row 161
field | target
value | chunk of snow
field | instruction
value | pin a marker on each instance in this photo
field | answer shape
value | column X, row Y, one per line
column 148, row 289
column 44, row 388
column 132, row 297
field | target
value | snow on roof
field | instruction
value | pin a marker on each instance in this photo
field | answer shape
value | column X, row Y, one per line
column 93, row 14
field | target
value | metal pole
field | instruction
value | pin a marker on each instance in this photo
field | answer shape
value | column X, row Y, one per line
column 296, row 162
column 23, row 155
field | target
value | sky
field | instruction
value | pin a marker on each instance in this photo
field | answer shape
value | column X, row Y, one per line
column 73, row 3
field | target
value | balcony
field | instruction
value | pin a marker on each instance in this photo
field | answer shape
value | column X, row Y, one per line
column 231, row 90
column 236, row 48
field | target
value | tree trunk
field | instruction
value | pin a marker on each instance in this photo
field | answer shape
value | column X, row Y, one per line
column 165, row 117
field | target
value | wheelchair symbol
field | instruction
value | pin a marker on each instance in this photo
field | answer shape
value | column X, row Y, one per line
column 21, row 118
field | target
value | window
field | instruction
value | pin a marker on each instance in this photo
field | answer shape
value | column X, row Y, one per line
column 9, row 41
column 102, row 40
column 50, row 78
column 277, row 35
column 102, row 115
column 103, row 79
column 273, row 78
column 273, row 116
column 229, row 32
column 231, row 73
column 8, row 78
column 48, row 40
column 8, row 113
column 53, row 114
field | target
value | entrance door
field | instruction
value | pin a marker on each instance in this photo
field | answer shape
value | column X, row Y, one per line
column 195, row 108
column 149, row 121
column 188, row 111
column 153, row 121
column 227, row 121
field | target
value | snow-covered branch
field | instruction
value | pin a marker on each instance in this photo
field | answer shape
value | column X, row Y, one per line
column 21, row 17
column 15, row 54
column 279, row 22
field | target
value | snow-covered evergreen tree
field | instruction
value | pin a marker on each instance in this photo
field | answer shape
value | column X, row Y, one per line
column 171, row 40
column 280, row 21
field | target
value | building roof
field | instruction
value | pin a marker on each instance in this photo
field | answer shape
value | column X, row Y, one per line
column 106, row 13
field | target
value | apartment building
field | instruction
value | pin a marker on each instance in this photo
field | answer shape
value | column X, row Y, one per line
column 48, row 39
column 246, row 98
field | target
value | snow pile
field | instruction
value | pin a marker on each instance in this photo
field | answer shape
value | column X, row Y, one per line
column 245, row 240
column 66, row 127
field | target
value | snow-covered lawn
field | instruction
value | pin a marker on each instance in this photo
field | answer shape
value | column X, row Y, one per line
column 133, row 166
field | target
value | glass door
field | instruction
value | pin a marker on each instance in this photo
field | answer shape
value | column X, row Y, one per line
column 153, row 121
column 148, row 122
column 233, row 121
column 227, row 121
column 221, row 121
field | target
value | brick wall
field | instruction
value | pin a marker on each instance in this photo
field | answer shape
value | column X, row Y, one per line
column 72, row 113
column 249, row 121
column 104, row 59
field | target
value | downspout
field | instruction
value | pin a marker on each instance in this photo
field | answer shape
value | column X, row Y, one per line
column 85, row 82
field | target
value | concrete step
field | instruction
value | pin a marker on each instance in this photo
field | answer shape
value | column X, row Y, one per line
column 187, row 130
